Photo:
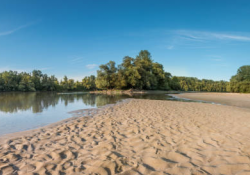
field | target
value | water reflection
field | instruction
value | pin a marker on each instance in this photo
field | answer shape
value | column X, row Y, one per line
column 23, row 111
column 38, row 102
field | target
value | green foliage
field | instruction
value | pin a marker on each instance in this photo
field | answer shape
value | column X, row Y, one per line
column 106, row 76
column 241, row 81
column 37, row 81
column 140, row 72
column 128, row 74
column 143, row 73
column 26, row 83
column 194, row 84
column 89, row 82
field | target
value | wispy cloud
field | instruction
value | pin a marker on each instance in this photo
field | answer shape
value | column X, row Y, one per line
column 170, row 47
column 231, row 37
column 16, row 29
column 91, row 66
column 216, row 58
column 208, row 36
column 194, row 39
column 76, row 60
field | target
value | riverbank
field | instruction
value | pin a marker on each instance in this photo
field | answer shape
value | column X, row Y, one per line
column 137, row 137
column 132, row 91
column 231, row 99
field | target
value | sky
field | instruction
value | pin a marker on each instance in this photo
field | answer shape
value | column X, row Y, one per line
column 199, row 38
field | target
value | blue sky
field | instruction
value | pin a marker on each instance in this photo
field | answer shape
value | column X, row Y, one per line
column 203, row 38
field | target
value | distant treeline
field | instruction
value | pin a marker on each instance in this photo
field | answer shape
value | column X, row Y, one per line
column 140, row 72
column 37, row 81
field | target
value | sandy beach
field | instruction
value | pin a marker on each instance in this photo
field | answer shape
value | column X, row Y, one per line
column 137, row 137
column 231, row 99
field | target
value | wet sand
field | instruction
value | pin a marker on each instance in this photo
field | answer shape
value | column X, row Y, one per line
column 137, row 137
column 231, row 99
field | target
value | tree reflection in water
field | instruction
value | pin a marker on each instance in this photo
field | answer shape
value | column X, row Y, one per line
column 38, row 101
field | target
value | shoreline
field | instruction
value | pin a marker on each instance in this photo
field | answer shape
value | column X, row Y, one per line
column 137, row 137
column 197, row 97
column 76, row 114
column 132, row 92
column 230, row 99
column 93, row 111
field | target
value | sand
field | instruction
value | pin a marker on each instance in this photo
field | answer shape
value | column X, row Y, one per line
column 137, row 137
column 232, row 99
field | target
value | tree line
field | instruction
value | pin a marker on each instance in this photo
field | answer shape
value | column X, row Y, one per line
column 140, row 73
column 143, row 73
column 37, row 81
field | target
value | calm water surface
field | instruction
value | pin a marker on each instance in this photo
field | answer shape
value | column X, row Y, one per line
column 24, row 111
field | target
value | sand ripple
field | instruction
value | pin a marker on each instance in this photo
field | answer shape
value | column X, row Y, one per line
column 137, row 137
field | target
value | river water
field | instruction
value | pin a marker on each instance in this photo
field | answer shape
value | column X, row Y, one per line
column 24, row 111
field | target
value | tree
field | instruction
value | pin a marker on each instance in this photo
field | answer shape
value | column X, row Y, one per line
column 89, row 82
column 106, row 76
column 243, row 73
column 26, row 83
column 175, row 85
column 139, row 73
column 71, row 84
column 36, row 78
column 143, row 64
column 128, row 74
column 1, row 83
column 161, row 77
column 11, row 80
column 65, row 84
column 241, row 81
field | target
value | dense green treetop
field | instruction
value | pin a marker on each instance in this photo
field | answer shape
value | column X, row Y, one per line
column 241, row 81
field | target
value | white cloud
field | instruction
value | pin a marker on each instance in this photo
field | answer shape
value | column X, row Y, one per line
column 16, row 29
column 91, row 66
column 76, row 60
column 231, row 37
column 170, row 47
column 205, row 35
column 216, row 59
column 193, row 39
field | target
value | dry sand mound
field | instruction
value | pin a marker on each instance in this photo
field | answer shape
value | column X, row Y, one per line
column 138, row 137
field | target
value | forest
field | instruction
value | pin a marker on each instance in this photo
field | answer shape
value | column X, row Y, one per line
column 140, row 73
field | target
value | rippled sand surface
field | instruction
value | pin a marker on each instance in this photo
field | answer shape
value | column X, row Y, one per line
column 137, row 137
